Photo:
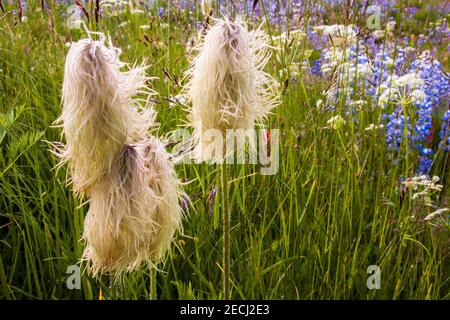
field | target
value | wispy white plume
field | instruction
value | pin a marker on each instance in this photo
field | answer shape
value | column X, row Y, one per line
column 99, row 111
column 134, row 212
column 228, row 86
column 133, row 191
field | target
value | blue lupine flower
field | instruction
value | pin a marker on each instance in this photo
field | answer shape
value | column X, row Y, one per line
column 315, row 69
column 444, row 133
column 395, row 127
column 161, row 11
column 424, row 165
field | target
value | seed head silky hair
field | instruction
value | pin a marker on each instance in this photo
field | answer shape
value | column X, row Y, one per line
column 134, row 211
column 99, row 111
column 133, row 191
column 228, row 86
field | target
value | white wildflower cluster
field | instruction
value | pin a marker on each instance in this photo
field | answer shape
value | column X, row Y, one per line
column 373, row 127
column 338, row 34
column 114, row 7
column 436, row 213
column 319, row 103
column 391, row 26
column 424, row 188
column 336, row 57
column 409, row 79
column 405, row 89
column 294, row 69
column 426, row 55
column 336, row 122
column 289, row 36
column 358, row 104
column 111, row 3
column 417, row 96
column 424, row 183
column 332, row 58
column 378, row 34
column 137, row 11
column 342, row 68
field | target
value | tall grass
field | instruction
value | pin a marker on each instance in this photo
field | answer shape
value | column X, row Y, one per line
column 310, row 232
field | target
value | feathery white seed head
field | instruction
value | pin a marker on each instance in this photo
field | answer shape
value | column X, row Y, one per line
column 228, row 86
column 99, row 111
column 134, row 207
column 134, row 212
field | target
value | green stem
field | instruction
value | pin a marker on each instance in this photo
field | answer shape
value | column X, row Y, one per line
column 112, row 288
column 226, row 234
column 153, row 283
column 3, row 279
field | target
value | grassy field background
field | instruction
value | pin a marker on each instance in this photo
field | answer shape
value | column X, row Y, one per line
column 335, row 206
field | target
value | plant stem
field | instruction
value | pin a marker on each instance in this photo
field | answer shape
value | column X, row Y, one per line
column 19, row 4
column 97, row 11
column 153, row 283
column 112, row 288
column 226, row 233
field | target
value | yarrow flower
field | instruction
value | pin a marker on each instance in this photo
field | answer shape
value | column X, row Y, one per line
column 423, row 192
column 373, row 127
column 336, row 122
